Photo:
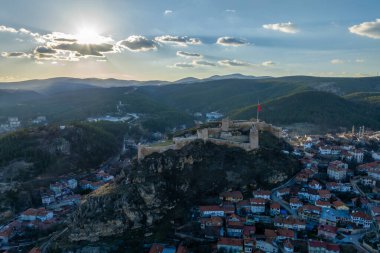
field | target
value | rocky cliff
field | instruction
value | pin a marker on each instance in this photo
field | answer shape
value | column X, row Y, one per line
column 161, row 184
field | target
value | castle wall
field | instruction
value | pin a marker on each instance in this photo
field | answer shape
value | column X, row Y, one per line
column 205, row 133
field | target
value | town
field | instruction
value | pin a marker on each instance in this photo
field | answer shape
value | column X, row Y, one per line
column 331, row 205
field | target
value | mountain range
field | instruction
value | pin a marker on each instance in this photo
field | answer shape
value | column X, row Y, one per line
column 325, row 101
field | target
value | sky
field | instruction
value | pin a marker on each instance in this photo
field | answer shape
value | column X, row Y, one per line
column 174, row 39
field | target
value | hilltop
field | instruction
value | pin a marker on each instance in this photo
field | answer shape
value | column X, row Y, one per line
column 316, row 107
column 174, row 180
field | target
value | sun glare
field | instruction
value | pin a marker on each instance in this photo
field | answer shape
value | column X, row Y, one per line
column 89, row 35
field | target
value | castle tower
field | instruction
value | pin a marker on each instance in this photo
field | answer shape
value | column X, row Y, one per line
column 202, row 133
column 225, row 124
column 254, row 138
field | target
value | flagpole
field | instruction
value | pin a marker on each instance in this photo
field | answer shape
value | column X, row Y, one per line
column 257, row 115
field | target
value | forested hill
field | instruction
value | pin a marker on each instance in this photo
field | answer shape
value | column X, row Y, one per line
column 331, row 102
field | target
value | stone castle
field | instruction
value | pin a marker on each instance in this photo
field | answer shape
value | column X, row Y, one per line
column 232, row 133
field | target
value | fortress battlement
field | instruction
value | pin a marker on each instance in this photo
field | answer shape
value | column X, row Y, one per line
column 241, row 134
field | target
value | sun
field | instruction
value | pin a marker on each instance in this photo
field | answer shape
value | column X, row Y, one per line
column 89, row 35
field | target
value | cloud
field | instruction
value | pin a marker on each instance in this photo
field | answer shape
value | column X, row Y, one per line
column 233, row 63
column 268, row 63
column 230, row 11
column 178, row 40
column 188, row 55
column 359, row 60
column 15, row 55
column 182, row 65
column 168, row 12
column 230, row 41
column 137, row 43
column 4, row 28
column 97, row 50
column 44, row 50
column 203, row 63
column 368, row 29
column 336, row 61
column 282, row 27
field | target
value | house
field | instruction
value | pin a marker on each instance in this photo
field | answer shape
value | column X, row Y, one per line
column 275, row 208
column 290, row 223
column 327, row 231
column 33, row 214
column 6, row 234
column 234, row 229
column 35, row 250
column 284, row 233
column 314, row 184
column 243, row 207
column 211, row 222
column 295, row 203
column 323, row 204
column 249, row 245
column 360, row 218
column 249, row 231
column 9, row 231
column 88, row 185
column 310, row 212
column 156, row 248
column 322, row 247
column 235, row 217
column 367, row 181
column 262, row 194
column 232, row 245
column 72, row 183
column 266, row 246
column 257, row 205
column 47, row 197
column 337, row 170
column 310, row 194
column 332, row 186
column 233, row 196
column 288, row 246
column 358, row 155
column 283, row 192
column 105, row 177
column 331, row 216
column 182, row 249
column 339, row 205
column 324, row 194
column 209, row 211
column 324, row 150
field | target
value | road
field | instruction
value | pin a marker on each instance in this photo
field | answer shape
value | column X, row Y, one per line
column 282, row 203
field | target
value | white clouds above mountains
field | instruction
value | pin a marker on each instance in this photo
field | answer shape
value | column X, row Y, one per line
column 233, row 63
column 137, row 43
column 367, row 29
column 178, row 40
column 231, row 41
column 336, row 61
column 288, row 27
column 188, row 55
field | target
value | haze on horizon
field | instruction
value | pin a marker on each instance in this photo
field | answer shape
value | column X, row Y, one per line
column 169, row 40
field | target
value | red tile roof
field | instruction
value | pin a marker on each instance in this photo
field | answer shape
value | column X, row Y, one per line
column 230, row 241
column 156, row 248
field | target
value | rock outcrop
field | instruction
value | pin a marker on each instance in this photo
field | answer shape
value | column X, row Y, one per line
column 161, row 183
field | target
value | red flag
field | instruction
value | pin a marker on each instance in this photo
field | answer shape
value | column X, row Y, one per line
column 258, row 107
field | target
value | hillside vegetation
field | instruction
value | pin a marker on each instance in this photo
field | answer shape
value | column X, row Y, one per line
column 345, row 102
column 320, row 108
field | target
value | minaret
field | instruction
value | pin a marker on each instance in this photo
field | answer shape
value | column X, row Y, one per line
column 353, row 130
